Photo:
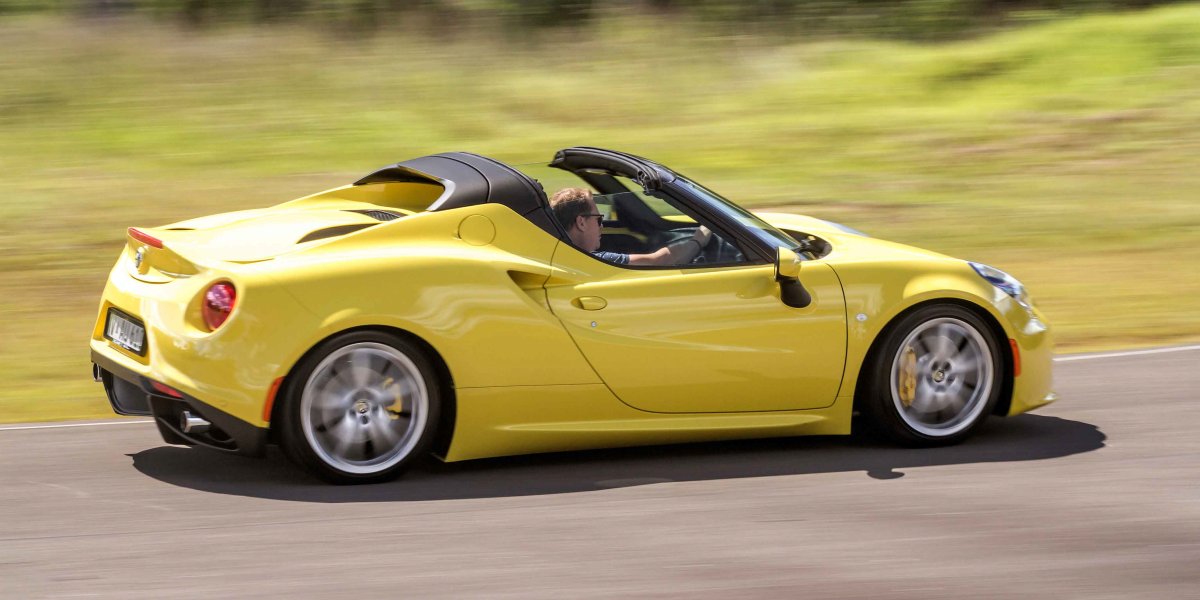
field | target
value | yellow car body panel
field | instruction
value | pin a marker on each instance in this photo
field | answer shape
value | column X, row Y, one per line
column 703, row 340
column 672, row 355
column 883, row 279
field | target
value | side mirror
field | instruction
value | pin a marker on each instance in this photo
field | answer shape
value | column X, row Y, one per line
column 787, row 273
column 787, row 265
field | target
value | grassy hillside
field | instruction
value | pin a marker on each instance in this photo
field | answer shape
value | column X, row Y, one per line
column 1067, row 154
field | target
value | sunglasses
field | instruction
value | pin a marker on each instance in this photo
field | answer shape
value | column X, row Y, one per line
column 599, row 218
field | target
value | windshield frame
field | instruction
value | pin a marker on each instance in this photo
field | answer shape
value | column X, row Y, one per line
column 601, row 168
column 764, row 232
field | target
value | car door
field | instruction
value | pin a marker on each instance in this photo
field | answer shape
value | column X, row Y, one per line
column 703, row 340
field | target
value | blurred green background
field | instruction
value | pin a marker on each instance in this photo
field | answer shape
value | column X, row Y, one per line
column 1059, row 141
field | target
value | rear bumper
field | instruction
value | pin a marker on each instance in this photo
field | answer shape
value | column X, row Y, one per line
column 130, row 393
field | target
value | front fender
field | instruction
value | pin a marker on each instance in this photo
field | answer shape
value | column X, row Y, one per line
column 877, row 292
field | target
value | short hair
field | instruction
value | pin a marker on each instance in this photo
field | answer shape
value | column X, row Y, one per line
column 570, row 203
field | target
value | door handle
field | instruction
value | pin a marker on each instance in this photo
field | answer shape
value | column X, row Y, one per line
column 589, row 302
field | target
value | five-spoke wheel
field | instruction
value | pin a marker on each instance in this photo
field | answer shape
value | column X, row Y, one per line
column 360, row 407
column 935, row 378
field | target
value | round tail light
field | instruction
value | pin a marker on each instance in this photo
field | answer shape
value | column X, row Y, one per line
column 218, row 303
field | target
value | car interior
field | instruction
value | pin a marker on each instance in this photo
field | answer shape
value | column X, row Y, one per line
column 636, row 222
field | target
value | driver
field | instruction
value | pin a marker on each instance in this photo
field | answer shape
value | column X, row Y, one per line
column 576, row 211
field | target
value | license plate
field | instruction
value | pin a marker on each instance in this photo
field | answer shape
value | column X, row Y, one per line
column 125, row 331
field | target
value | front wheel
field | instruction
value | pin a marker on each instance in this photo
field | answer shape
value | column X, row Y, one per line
column 936, row 378
column 360, row 408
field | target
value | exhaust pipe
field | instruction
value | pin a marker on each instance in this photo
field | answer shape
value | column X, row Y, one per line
column 189, row 423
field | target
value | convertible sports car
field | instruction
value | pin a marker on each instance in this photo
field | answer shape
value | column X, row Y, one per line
column 438, row 305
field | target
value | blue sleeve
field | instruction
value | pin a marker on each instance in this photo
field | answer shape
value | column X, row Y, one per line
column 612, row 257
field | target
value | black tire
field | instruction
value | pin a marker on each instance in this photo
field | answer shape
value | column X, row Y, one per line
column 921, row 388
column 360, row 408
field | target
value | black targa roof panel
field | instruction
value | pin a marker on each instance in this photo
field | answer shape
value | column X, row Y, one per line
column 476, row 180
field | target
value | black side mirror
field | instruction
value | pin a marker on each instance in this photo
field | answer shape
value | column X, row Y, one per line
column 787, row 273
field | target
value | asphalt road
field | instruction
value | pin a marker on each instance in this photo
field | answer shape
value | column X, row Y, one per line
column 1096, row 496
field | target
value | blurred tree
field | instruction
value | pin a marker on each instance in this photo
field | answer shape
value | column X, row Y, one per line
column 277, row 10
column 914, row 19
column 105, row 8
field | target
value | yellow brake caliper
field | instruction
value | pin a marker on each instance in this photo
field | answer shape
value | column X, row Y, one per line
column 398, row 405
column 908, row 376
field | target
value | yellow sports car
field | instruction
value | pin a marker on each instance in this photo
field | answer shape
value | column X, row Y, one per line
column 446, row 305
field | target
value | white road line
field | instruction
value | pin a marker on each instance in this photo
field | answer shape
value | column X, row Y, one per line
column 1056, row 359
column 2, row 428
column 1127, row 353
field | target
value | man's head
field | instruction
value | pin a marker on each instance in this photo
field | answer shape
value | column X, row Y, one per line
column 576, row 211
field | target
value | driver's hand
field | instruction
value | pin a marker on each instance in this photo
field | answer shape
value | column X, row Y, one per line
column 702, row 235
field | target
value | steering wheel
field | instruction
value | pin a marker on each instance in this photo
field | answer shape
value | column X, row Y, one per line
column 719, row 251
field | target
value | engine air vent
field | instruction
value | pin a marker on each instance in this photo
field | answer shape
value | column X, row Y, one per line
column 329, row 232
column 378, row 215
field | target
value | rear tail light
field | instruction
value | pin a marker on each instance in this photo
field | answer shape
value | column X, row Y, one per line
column 218, row 303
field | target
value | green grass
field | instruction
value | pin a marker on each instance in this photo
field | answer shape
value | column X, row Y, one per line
column 1066, row 153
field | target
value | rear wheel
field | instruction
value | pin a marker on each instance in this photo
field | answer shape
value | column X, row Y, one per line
column 936, row 378
column 360, row 408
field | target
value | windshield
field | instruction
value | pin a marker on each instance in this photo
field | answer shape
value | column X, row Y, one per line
column 764, row 231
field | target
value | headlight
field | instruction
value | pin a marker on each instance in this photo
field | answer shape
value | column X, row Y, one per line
column 1005, row 282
